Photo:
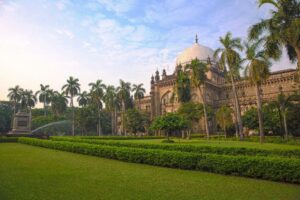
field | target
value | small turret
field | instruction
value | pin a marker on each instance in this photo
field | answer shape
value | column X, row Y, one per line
column 157, row 76
column 164, row 74
column 152, row 80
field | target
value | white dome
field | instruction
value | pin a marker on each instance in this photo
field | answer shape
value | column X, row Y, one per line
column 196, row 51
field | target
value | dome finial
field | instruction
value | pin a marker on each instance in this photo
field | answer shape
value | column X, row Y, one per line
column 196, row 39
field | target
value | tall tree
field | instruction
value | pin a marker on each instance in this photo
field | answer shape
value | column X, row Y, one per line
column 83, row 98
column 111, row 103
column 257, row 70
column 59, row 103
column 97, row 97
column 138, row 92
column 15, row 96
column 224, row 118
column 72, row 88
column 124, row 94
column 281, row 29
column 182, row 86
column 283, row 104
column 44, row 96
column 198, row 77
column 230, row 62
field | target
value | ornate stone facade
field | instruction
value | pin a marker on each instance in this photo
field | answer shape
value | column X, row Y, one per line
column 217, row 92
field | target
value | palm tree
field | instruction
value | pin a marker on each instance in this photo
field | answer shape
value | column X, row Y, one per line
column 15, row 96
column 72, row 88
column 224, row 118
column 83, row 99
column 111, row 103
column 44, row 95
column 28, row 99
column 97, row 95
column 257, row 70
column 281, row 29
column 123, row 92
column 198, row 77
column 59, row 103
column 138, row 92
column 283, row 104
column 230, row 62
column 182, row 86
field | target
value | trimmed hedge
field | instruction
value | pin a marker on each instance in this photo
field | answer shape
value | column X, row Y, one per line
column 8, row 139
column 121, row 137
column 189, row 148
column 276, row 169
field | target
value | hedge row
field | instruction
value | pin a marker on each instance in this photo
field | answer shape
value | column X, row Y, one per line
column 8, row 139
column 190, row 148
column 121, row 137
column 276, row 169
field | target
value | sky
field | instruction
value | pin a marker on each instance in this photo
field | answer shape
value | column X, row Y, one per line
column 46, row 41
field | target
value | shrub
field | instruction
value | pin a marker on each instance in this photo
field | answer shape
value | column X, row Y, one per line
column 277, row 169
column 190, row 148
column 168, row 141
column 8, row 139
column 120, row 137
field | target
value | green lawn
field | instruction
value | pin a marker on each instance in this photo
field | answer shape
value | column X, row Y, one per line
column 28, row 172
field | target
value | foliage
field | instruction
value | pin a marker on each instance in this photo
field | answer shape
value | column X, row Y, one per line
column 293, row 118
column 224, row 118
column 59, row 103
column 192, row 112
column 257, row 167
column 136, row 121
column 39, row 121
column 8, row 139
column 6, row 112
column 203, row 148
column 86, row 119
column 169, row 122
column 167, row 141
column 183, row 86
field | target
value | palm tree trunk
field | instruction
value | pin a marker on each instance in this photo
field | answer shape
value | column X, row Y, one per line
column 205, row 112
column 73, row 117
column 99, row 123
column 238, row 109
column 112, row 122
column 298, row 58
column 285, row 126
column 115, row 120
column 44, row 105
column 260, row 115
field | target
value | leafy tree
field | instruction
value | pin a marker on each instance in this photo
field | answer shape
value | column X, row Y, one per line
column 97, row 97
column 123, row 92
column 192, row 112
column 6, row 111
column 257, row 70
column 182, row 86
column 14, row 95
column 293, row 119
column 230, row 62
column 138, row 92
column 169, row 122
column 224, row 118
column 198, row 77
column 134, row 121
column 284, row 104
column 59, row 103
column 72, row 88
column 28, row 99
column 83, row 99
column 281, row 29
column 112, row 104
column 86, row 119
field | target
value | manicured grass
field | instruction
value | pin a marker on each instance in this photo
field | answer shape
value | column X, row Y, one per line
column 28, row 172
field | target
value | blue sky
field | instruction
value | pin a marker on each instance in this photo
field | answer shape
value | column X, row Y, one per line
column 46, row 41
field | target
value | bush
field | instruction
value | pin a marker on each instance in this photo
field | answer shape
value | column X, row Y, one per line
column 277, row 169
column 120, row 137
column 190, row 148
column 8, row 139
column 168, row 141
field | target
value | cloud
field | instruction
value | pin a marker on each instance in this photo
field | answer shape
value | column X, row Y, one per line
column 65, row 32
column 117, row 6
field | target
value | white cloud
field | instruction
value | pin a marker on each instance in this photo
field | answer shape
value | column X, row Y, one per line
column 118, row 6
column 65, row 33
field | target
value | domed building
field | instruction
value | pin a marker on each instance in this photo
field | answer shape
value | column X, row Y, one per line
column 217, row 92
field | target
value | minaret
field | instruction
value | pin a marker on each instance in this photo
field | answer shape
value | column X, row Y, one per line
column 164, row 74
column 157, row 76
column 196, row 39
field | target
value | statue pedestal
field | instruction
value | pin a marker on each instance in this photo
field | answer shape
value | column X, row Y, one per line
column 21, row 123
